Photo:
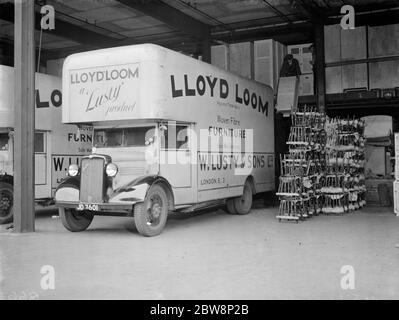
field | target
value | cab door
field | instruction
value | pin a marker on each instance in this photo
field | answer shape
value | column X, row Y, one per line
column 42, row 165
column 176, row 160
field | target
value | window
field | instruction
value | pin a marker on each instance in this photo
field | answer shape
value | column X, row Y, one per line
column 175, row 137
column 114, row 138
column 138, row 136
column 127, row 137
column 4, row 141
column 39, row 142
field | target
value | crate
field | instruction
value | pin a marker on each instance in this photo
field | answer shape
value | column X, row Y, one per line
column 372, row 196
column 397, row 166
column 220, row 56
column 306, row 86
column 268, row 59
column 396, row 197
column 241, row 59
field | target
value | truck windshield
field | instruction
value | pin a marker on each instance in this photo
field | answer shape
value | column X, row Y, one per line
column 126, row 137
column 3, row 141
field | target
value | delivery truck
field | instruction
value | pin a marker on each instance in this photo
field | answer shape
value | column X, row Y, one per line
column 170, row 133
column 56, row 145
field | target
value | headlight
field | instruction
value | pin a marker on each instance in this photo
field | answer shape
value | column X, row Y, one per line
column 111, row 170
column 73, row 170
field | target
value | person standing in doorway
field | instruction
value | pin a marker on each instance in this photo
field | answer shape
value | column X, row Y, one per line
column 290, row 67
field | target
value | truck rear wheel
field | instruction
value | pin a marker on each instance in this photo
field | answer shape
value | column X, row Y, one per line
column 243, row 204
column 230, row 206
column 75, row 221
column 150, row 216
column 6, row 202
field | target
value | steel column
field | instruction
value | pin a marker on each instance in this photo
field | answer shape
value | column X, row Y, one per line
column 24, row 161
column 320, row 73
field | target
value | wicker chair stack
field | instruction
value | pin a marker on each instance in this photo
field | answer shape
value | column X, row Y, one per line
column 302, row 168
column 344, row 189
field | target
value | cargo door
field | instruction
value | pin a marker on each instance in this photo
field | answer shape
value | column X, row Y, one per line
column 42, row 165
column 175, row 161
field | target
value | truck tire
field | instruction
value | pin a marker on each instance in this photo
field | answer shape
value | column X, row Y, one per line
column 75, row 221
column 151, row 215
column 230, row 206
column 243, row 204
column 6, row 203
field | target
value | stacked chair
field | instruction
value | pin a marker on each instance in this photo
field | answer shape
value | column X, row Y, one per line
column 345, row 184
column 301, row 176
column 323, row 172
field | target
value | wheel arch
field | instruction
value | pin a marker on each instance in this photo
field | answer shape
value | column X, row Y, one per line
column 168, row 189
column 7, row 179
column 251, row 181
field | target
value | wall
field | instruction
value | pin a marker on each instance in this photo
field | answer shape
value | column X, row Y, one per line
column 360, row 44
column 259, row 60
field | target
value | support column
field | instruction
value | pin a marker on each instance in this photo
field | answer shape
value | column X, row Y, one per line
column 24, row 116
column 320, row 73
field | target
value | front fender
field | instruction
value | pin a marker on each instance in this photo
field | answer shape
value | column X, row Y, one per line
column 136, row 190
column 68, row 190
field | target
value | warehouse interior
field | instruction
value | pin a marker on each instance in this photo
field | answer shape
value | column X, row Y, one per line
column 350, row 75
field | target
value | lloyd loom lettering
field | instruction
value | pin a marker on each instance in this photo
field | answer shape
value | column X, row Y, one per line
column 106, row 89
column 106, row 75
column 208, row 85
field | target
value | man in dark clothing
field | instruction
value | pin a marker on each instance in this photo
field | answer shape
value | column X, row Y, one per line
column 290, row 67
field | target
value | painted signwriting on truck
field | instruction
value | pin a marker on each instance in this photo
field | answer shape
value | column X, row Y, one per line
column 105, row 90
column 218, row 87
column 55, row 99
column 59, row 167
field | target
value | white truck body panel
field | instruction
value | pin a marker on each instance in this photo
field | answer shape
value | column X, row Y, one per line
column 62, row 144
column 121, row 86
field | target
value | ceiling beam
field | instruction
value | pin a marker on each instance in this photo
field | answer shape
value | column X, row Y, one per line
column 273, row 8
column 8, row 51
column 62, row 28
column 314, row 14
column 267, row 32
column 390, row 16
column 170, row 16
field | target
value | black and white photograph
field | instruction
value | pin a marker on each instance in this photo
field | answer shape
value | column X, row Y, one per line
column 212, row 151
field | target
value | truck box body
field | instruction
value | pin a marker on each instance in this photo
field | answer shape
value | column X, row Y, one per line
column 57, row 145
column 142, row 84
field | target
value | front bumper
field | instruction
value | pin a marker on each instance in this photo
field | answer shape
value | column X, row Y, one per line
column 121, row 202
column 123, row 209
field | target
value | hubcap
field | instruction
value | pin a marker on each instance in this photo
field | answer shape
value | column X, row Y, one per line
column 154, row 212
column 5, row 203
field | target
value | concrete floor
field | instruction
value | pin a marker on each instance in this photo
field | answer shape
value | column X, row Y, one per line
column 207, row 256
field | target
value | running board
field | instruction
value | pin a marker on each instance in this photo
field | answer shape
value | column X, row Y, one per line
column 203, row 205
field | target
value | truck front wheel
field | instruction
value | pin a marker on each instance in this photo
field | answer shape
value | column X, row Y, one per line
column 150, row 216
column 6, row 202
column 75, row 221
column 243, row 204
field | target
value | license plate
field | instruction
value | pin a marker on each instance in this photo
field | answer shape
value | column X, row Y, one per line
column 87, row 206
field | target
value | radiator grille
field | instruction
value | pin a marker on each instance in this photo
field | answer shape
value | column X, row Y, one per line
column 92, row 180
